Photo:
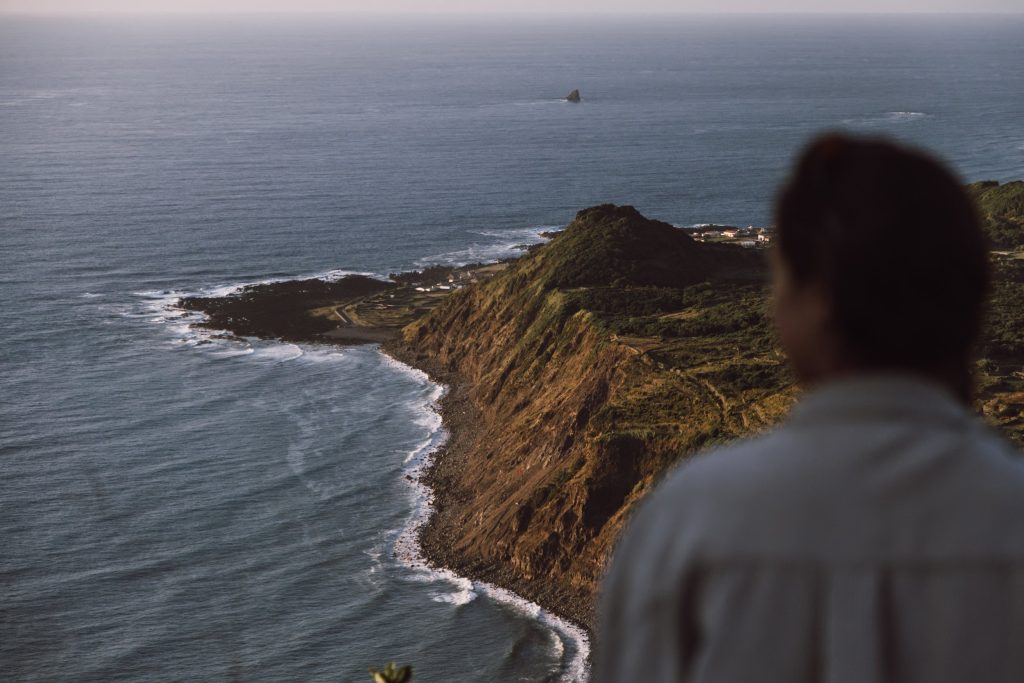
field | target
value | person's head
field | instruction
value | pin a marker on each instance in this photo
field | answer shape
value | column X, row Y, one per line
column 880, row 263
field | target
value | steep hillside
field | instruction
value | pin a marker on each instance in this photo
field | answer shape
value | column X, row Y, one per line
column 1002, row 211
column 579, row 375
column 592, row 365
column 583, row 370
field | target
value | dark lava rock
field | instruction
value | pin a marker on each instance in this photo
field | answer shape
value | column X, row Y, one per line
column 280, row 310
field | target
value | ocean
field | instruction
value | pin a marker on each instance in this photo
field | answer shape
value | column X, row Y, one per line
column 175, row 506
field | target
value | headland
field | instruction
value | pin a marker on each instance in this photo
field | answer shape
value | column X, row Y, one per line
column 582, row 371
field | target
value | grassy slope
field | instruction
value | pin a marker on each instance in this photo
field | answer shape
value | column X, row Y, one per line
column 590, row 366
column 596, row 362
column 1002, row 210
column 1000, row 372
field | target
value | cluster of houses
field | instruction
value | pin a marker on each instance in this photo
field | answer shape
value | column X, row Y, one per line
column 456, row 280
column 750, row 237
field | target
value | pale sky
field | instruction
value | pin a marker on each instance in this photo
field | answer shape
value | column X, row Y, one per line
column 506, row 6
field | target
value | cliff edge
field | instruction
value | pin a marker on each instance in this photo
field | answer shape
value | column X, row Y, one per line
column 583, row 370
column 578, row 376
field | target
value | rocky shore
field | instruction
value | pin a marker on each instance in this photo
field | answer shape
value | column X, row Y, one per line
column 462, row 420
column 561, row 415
column 581, row 372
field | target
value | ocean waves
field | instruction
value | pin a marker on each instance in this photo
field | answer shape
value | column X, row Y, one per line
column 501, row 244
column 888, row 118
column 315, row 458
column 407, row 550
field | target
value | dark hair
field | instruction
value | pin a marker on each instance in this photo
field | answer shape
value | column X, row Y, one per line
column 894, row 239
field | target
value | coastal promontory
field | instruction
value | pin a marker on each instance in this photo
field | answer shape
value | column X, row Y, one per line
column 578, row 376
column 582, row 371
column 593, row 365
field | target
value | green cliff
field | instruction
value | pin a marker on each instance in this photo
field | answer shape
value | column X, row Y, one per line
column 585, row 369
column 578, row 376
column 595, row 363
column 1002, row 211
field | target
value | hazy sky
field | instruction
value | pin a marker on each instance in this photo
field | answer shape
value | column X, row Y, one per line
column 517, row 6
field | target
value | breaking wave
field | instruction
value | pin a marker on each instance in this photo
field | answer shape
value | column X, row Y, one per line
column 408, row 552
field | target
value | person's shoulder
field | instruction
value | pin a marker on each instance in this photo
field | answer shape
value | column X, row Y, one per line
column 998, row 462
column 740, row 468
column 1000, row 451
column 709, row 488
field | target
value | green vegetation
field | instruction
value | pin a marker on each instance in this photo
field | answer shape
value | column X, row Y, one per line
column 586, row 369
column 631, row 301
column 731, row 310
column 592, row 364
column 392, row 674
column 352, row 310
column 1001, row 208
column 615, row 246
column 1004, row 334
column 595, row 363
column 281, row 310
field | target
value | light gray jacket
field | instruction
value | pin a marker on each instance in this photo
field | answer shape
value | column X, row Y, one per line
column 878, row 535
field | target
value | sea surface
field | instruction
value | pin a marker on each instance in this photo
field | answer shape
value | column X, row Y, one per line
column 175, row 506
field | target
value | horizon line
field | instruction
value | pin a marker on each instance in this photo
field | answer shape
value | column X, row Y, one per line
column 499, row 13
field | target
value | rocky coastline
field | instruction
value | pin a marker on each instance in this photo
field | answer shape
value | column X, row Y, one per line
column 461, row 419
column 579, row 373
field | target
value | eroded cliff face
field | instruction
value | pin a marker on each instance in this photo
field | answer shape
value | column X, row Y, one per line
column 560, row 421
column 591, row 366
column 582, row 371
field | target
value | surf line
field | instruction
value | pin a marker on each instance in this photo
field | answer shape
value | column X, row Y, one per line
column 409, row 553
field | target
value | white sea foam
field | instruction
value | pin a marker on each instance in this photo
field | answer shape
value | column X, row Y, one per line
column 408, row 552
column 905, row 115
column 374, row 576
column 232, row 350
column 421, row 377
column 887, row 118
column 332, row 275
column 161, row 307
column 337, row 274
column 35, row 96
column 462, row 596
column 510, row 243
column 277, row 352
column 577, row 669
